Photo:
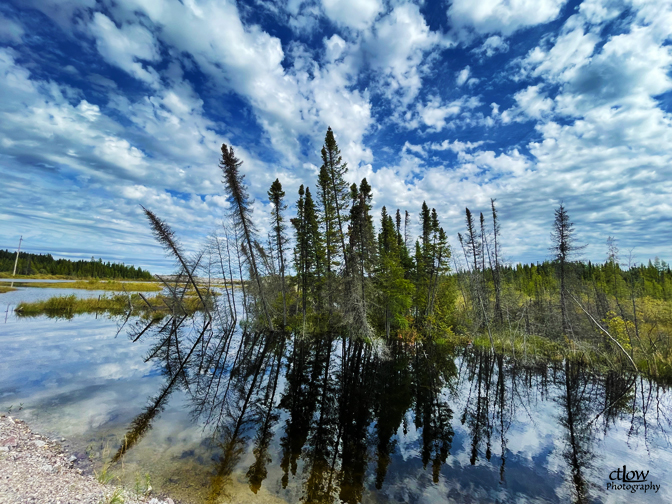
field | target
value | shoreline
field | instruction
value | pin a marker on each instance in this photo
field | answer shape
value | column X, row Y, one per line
column 36, row 469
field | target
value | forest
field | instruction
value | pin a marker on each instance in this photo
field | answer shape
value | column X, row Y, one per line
column 359, row 331
column 45, row 264
column 334, row 268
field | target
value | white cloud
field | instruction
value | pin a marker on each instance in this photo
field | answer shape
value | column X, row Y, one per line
column 10, row 31
column 126, row 47
column 501, row 16
column 571, row 51
column 334, row 47
column 599, row 11
column 396, row 47
column 491, row 46
column 531, row 102
column 356, row 14
column 456, row 145
column 463, row 75
column 434, row 113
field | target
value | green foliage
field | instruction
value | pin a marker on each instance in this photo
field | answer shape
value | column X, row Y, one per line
column 45, row 264
column 155, row 307
column 96, row 285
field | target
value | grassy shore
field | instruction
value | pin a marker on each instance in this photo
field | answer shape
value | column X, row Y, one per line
column 39, row 276
column 6, row 288
column 109, row 285
column 116, row 304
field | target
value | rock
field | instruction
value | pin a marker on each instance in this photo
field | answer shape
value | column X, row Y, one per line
column 11, row 441
column 9, row 419
column 72, row 459
column 62, row 440
column 47, row 468
column 39, row 443
column 4, row 449
column 169, row 501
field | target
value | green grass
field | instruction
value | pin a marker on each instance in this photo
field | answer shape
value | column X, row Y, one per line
column 116, row 304
column 110, row 285
column 6, row 288
column 40, row 276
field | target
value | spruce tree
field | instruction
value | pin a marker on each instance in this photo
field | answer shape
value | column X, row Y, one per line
column 564, row 247
column 276, row 195
column 314, row 250
column 496, row 269
column 472, row 240
column 395, row 291
column 336, row 169
column 241, row 208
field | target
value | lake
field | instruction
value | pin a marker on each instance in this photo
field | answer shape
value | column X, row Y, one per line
column 269, row 418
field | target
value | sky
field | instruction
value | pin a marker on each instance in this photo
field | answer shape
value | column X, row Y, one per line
column 109, row 105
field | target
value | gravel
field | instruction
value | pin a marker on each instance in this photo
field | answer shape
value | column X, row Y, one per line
column 36, row 470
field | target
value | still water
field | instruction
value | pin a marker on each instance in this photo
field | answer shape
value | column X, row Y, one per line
column 265, row 418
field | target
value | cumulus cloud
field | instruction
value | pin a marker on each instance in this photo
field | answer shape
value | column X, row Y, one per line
column 491, row 46
column 355, row 14
column 463, row 75
column 501, row 16
column 126, row 47
column 396, row 47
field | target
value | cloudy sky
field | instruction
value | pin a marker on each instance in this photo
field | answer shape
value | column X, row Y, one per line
column 107, row 105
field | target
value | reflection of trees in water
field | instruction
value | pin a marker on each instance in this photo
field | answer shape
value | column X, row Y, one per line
column 341, row 404
column 335, row 391
column 577, row 401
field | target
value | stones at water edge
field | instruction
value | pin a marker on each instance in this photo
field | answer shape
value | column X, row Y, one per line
column 34, row 468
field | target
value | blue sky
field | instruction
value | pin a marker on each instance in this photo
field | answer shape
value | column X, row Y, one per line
column 107, row 105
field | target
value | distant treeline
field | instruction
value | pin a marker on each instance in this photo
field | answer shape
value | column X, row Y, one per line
column 45, row 264
column 653, row 280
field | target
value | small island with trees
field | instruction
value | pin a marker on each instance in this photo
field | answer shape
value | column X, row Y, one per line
column 335, row 270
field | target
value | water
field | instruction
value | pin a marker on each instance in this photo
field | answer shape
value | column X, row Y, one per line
column 255, row 418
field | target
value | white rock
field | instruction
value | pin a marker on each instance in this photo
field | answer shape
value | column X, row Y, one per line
column 72, row 458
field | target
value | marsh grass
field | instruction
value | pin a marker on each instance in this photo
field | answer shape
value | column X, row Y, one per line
column 109, row 285
column 155, row 307
column 6, row 288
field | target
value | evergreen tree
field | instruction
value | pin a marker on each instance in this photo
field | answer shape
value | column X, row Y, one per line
column 314, row 251
column 472, row 241
column 496, row 271
column 564, row 247
column 241, row 206
column 276, row 195
column 395, row 291
column 335, row 170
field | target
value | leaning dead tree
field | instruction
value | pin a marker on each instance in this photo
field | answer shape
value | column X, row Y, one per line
column 241, row 214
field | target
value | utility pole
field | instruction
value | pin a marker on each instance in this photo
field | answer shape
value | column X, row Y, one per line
column 16, row 261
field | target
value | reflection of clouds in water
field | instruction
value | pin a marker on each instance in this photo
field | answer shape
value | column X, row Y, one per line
column 408, row 445
column 83, row 382
column 73, row 376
